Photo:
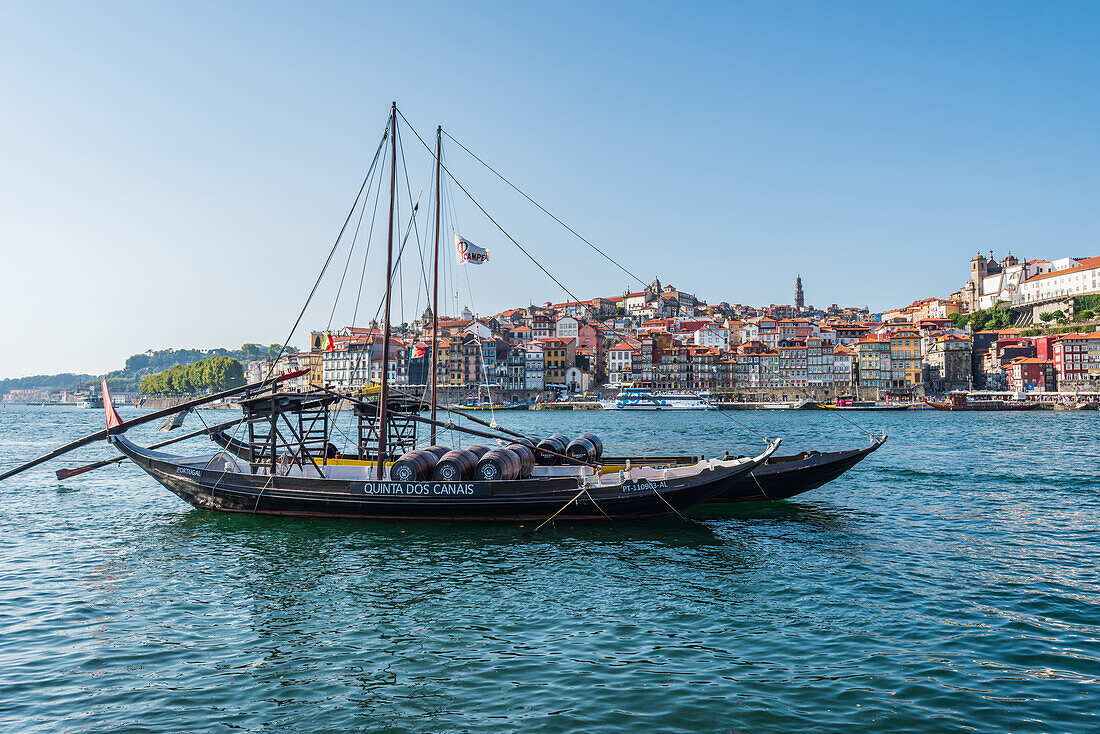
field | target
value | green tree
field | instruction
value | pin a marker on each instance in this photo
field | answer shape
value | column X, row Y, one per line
column 137, row 362
column 208, row 375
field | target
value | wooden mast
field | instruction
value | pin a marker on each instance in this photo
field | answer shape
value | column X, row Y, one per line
column 435, row 276
column 384, row 393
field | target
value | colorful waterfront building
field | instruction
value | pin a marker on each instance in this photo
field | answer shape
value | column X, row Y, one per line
column 1077, row 356
column 621, row 361
column 792, row 363
column 558, row 356
column 948, row 363
column 844, row 366
column 820, row 362
column 873, row 359
column 1031, row 374
column 905, row 359
column 534, row 366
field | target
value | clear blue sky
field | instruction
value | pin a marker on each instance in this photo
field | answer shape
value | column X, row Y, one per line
column 174, row 175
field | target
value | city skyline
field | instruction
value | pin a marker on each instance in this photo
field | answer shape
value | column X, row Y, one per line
column 167, row 165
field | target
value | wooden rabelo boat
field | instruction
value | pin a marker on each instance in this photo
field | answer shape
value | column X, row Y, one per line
column 779, row 477
column 221, row 481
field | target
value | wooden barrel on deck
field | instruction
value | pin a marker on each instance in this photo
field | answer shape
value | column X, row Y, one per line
column 478, row 450
column 586, row 448
column 526, row 456
column 413, row 466
column 498, row 465
column 438, row 450
column 456, row 466
column 555, row 444
column 596, row 440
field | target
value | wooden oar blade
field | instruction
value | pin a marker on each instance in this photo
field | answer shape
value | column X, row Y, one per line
column 173, row 422
column 63, row 474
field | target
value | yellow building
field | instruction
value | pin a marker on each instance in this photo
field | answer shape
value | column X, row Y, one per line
column 558, row 356
column 313, row 361
column 905, row 358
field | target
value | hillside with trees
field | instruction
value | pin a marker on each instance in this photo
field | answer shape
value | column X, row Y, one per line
column 139, row 366
column 205, row 376
column 998, row 317
column 64, row 381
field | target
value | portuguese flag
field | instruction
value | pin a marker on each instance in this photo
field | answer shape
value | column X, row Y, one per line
column 329, row 344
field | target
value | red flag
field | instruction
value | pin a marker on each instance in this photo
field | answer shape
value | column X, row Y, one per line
column 330, row 345
column 109, row 412
column 419, row 350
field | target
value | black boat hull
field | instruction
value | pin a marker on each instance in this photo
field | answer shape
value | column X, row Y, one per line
column 521, row 500
column 779, row 477
column 783, row 477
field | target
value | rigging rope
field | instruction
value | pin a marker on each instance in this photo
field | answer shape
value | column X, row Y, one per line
column 366, row 254
column 351, row 251
column 328, row 260
column 489, row 216
column 560, row 510
column 408, row 188
column 543, row 209
column 397, row 264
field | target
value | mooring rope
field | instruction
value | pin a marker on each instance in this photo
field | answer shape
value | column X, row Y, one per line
column 560, row 510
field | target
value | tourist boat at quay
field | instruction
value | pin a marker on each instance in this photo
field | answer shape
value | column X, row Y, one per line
column 852, row 404
column 643, row 398
column 983, row 401
column 487, row 405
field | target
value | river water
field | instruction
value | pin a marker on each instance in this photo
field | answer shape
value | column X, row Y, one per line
column 947, row 583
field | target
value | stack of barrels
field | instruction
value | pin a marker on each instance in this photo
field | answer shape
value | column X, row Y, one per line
column 515, row 461
column 418, row 464
column 557, row 449
column 551, row 450
column 586, row 448
column 458, row 465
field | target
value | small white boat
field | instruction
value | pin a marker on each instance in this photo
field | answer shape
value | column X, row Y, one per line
column 640, row 398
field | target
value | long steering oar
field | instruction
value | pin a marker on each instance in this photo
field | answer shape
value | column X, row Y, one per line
column 155, row 415
column 68, row 473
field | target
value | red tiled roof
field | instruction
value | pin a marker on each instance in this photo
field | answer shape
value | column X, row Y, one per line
column 1089, row 263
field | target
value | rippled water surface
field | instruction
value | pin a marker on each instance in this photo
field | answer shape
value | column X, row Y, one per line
column 947, row 583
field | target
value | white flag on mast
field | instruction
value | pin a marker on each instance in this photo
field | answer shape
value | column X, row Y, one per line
column 468, row 252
